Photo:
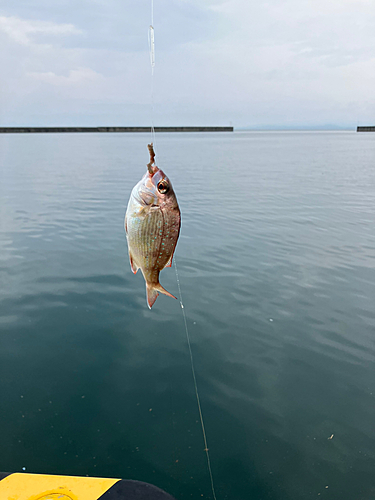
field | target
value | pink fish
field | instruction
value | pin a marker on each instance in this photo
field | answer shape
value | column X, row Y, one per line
column 152, row 226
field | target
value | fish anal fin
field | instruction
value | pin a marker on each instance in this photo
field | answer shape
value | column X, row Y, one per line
column 153, row 290
column 133, row 265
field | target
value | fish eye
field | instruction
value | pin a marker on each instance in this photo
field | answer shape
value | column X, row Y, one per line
column 163, row 187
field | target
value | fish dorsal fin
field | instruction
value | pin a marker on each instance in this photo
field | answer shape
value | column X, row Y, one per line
column 169, row 263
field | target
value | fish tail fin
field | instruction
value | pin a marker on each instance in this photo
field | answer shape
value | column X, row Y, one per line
column 153, row 292
column 160, row 289
column 152, row 295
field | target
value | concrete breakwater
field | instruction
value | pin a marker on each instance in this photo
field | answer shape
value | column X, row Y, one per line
column 32, row 130
column 368, row 128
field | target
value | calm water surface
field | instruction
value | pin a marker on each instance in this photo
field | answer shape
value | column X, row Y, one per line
column 277, row 268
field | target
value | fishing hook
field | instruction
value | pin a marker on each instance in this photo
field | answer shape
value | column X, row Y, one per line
column 152, row 158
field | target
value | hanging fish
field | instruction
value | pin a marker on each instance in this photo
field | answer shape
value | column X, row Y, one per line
column 152, row 226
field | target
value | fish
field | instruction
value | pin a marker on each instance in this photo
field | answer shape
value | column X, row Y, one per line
column 152, row 227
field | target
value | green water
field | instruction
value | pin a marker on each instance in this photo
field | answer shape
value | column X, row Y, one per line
column 276, row 260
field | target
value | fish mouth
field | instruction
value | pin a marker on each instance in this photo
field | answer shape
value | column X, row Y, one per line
column 152, row 169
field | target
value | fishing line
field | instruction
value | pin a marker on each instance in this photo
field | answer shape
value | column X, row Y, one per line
column 151, row 43
column 195, row 383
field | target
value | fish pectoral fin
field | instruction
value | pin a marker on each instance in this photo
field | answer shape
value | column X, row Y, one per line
column 133, row 265
column 153, row 292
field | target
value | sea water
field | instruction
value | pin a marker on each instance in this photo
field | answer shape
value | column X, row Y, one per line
column 276, row 261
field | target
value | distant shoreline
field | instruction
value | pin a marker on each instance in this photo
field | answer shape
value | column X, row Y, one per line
column 33, row 130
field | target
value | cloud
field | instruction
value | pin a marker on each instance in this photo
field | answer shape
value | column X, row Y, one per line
column 75, row 76
column 25, row 31
column 252, row 63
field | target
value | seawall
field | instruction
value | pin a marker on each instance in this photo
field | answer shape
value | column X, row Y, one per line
column 33, row 130
column 368, row 128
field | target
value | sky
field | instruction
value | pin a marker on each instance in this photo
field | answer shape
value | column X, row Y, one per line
column 246, row 63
